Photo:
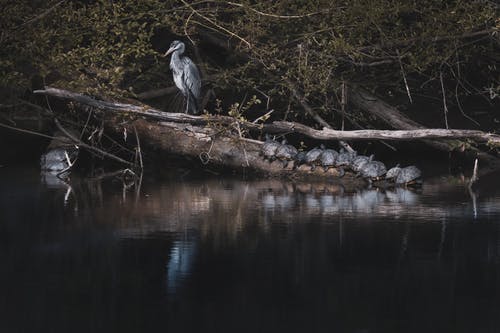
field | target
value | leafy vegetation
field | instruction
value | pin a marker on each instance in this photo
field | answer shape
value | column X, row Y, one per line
column 408, row 48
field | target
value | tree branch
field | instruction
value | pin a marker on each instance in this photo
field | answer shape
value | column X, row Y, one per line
column 89, row 147
column 407, row 41
column 281, row 127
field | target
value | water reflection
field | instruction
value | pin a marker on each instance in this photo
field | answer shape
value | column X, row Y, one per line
column 232, row 255
column 175, row 206
column 182, row 255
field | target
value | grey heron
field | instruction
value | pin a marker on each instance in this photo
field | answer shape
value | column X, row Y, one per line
column 186, row 76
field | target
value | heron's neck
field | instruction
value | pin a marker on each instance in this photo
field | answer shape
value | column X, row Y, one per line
column 175, row 60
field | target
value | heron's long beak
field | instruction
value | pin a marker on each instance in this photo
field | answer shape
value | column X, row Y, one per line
column 170, row 50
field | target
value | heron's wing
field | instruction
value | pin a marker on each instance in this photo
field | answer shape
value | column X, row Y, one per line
column 191, row 77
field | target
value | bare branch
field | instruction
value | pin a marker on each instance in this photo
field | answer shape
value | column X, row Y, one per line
column 139, row 151
column 327, row 133
column 216, row 24
column 42, row 15
column 27, row 131
column 88, row 147
column 404, row 77
column 445, row 107
column 274, row 15
column 408, row 41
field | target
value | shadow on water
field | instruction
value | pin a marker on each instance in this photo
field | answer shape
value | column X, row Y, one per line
column 222, row 255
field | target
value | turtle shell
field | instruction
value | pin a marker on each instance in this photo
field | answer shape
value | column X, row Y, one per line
column 408, row 175
column 313, row 157
column 269, row 147
column 373, row 170
column 360, row 160
column 300, row 159
column 328, row 158
column 286, row 152
column 345, row 158
column 393, row 172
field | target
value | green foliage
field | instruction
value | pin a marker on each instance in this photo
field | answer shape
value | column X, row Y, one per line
column 318, row 44
column 107, row 46
column 86, row 46
column 238, row 110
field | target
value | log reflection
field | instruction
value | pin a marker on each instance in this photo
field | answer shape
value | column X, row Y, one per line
column 198, row 251
column 225, row 207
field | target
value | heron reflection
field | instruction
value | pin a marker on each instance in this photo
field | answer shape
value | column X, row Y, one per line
column 180, row 263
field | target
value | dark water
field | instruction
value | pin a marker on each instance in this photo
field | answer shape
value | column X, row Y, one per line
column 225, row 255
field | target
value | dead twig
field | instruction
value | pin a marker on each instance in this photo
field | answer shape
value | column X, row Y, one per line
column 139, row 151
column 404, row 77
column 343, row 102
column 205, row 156
column 70, row 164
column 232, row 34
column 39, row 17
column 264, row 117
column 474, row 177
column 27, row 131
column 93, row 149
column 186, row 26
column 121, row 172
column 274, row 15
column 301, row 99
column 445, row 107
column 243, row 144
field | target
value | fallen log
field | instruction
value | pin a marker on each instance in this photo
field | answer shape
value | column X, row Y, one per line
column 194, row 137
column 281, row 127
column 369, row 103
column 364, row 100
column 211, row 147
column 218, row 140
column 401, row 135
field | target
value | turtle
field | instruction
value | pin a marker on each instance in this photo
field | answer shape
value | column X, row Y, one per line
column 373, row 170
column 359, row 161
column 58, row 159
column 286, row 153
column 313, row 156
column 392, row 173
column 328, row 158
column 269, row 148
column 300, row 159
column 409, row 175
column 345, row 158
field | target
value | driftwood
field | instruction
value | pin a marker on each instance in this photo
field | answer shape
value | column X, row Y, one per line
column 217, row 140
column 369, row 103
column 195, row 137
column 220, row 149
column 284, row 127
